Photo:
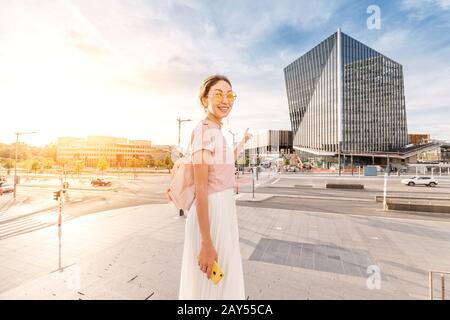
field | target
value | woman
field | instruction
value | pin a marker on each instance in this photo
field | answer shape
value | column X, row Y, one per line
column 211, row 232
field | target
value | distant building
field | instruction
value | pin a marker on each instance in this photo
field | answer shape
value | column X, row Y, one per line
column 117, row 151
column 269, row 144
column 440, row 154
column 419, row 138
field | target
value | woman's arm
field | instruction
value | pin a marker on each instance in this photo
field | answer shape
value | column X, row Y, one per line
column 208, row 253
column 240, row 146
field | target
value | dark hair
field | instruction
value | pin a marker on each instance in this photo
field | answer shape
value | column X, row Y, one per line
column 208, row 83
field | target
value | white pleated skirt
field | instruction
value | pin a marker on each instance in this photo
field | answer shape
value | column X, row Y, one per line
column 194, row 284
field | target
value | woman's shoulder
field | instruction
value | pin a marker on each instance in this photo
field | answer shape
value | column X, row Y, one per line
column 202, row 126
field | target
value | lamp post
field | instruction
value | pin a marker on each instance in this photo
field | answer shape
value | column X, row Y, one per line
column 237, row 162
column 181, row 213
column 15, row 162
column 179, row 128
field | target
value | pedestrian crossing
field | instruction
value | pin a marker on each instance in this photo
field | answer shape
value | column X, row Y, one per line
column 25, row 224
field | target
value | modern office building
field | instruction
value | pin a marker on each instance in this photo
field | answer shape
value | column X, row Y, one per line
column 117, row 151
column 346, row 98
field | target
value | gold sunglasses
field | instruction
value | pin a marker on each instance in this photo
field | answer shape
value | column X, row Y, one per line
column 218, row 96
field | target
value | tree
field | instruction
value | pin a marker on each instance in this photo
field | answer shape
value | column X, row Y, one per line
column 49, row 151
column 48, row 163
column 159, row 163
column 132, row 163
column 79, row 166
column 35, row 165
column 102, row 165
column 169, row 163
column 8, row 164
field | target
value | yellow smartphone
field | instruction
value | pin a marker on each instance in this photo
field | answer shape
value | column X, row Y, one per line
column 216, row 273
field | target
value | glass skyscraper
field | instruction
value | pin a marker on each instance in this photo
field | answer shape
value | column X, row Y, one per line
column 347, row 98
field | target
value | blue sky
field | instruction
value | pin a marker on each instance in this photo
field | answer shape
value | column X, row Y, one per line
column 130, row 68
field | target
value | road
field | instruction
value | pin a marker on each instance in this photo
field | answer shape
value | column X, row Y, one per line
column 41, row 211
column 38, row 210
column 310, row 195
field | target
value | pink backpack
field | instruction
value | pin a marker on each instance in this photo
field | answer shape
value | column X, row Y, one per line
column 181, row 191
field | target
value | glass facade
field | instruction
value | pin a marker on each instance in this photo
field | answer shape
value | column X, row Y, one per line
column 355, row 100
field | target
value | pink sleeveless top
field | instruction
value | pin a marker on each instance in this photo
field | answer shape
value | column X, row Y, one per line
column 208, row 135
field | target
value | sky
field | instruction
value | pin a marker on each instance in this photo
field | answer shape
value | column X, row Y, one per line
column 130, row 68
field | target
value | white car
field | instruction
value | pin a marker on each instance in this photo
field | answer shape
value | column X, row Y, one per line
column 420, row 181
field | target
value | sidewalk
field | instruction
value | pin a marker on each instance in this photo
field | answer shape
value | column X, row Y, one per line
column 135, row 253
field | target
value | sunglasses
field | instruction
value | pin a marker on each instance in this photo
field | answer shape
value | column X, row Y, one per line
column 218, row 96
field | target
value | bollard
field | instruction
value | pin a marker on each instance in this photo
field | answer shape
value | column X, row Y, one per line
column 443, row 286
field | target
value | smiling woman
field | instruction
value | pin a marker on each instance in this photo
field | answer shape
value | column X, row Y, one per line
column 211, row 246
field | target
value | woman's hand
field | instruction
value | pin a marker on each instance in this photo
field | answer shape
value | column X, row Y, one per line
column 247, row 136
column 206, row 258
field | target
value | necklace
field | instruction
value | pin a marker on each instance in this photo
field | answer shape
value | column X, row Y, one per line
column 220, row 124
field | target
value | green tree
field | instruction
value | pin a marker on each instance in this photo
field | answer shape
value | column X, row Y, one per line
column 132, row 163
column 48, row 163
column 79, row 166
column 8, row 164
column 102, row 165
column 49, row 151
column 35, row 165
column 160, row 163
column 169, row 163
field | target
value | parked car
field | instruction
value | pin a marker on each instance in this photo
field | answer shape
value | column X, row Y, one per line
column 420, row 181
column 101, row 182
column 5, row 188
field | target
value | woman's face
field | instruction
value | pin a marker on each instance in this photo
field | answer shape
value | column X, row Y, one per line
column 218, row 99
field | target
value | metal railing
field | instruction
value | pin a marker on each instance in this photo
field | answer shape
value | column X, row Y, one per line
column 442, row 273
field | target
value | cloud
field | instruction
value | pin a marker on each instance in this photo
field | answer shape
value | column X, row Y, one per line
column 141, row 62
column 424, row 9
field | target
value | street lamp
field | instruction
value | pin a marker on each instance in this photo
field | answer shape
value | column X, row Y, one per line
column 234, row 134
column 181, row 213
column 179, row 128
column 15, row 163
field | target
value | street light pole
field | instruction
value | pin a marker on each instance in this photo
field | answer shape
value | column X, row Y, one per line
column 15, row 162
column 179, row 129
column 237, row 162
column 181, row 213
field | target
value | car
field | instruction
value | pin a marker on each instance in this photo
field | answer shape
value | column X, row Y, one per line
column 101, row 182
column 5, row 188
column 420, row 181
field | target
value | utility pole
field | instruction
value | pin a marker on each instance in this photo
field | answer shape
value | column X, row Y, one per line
column 181, row 213
column 15, row 162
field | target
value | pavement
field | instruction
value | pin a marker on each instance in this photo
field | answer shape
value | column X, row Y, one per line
column 293, row 253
